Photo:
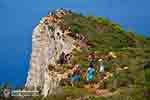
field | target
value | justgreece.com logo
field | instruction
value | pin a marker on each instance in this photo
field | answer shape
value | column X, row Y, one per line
column 24, row 93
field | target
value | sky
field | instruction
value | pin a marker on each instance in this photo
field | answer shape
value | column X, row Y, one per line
column 19, row 17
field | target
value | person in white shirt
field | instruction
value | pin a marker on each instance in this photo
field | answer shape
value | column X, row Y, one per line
column 101, row 66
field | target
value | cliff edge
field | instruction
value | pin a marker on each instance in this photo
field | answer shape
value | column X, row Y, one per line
column 49, row 41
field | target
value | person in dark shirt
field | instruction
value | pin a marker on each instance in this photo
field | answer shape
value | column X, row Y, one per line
column 62, row 58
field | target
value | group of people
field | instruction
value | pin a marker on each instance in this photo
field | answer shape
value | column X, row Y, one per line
column 90, row 72
column 96, row 64
column 77, row 69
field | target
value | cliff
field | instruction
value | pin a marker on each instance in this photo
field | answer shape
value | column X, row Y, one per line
column 78, row 36
column 48, row 43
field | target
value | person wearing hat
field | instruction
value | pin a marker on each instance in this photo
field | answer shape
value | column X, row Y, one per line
column 101, row 69
column 101, row 66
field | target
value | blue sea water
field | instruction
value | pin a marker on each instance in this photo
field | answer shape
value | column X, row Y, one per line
column 19, row 17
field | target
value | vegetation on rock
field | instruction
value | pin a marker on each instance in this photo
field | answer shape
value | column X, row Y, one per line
column 125, row 73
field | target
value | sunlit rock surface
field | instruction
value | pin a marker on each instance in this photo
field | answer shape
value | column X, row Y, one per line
column 48, row 42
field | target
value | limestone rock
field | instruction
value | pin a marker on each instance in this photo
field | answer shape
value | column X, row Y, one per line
column 48, row 43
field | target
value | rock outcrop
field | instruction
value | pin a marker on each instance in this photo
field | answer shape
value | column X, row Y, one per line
column 48, row 42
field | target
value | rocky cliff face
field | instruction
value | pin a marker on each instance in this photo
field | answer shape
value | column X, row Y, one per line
column 49, row 40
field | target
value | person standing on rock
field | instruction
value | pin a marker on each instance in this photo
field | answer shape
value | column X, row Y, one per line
column 62, row 58
column 101, row 66
column 90, row 73
column 101, row 69
column 76, row 74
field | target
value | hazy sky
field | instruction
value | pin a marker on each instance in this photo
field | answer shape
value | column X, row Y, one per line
column 19, row 17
